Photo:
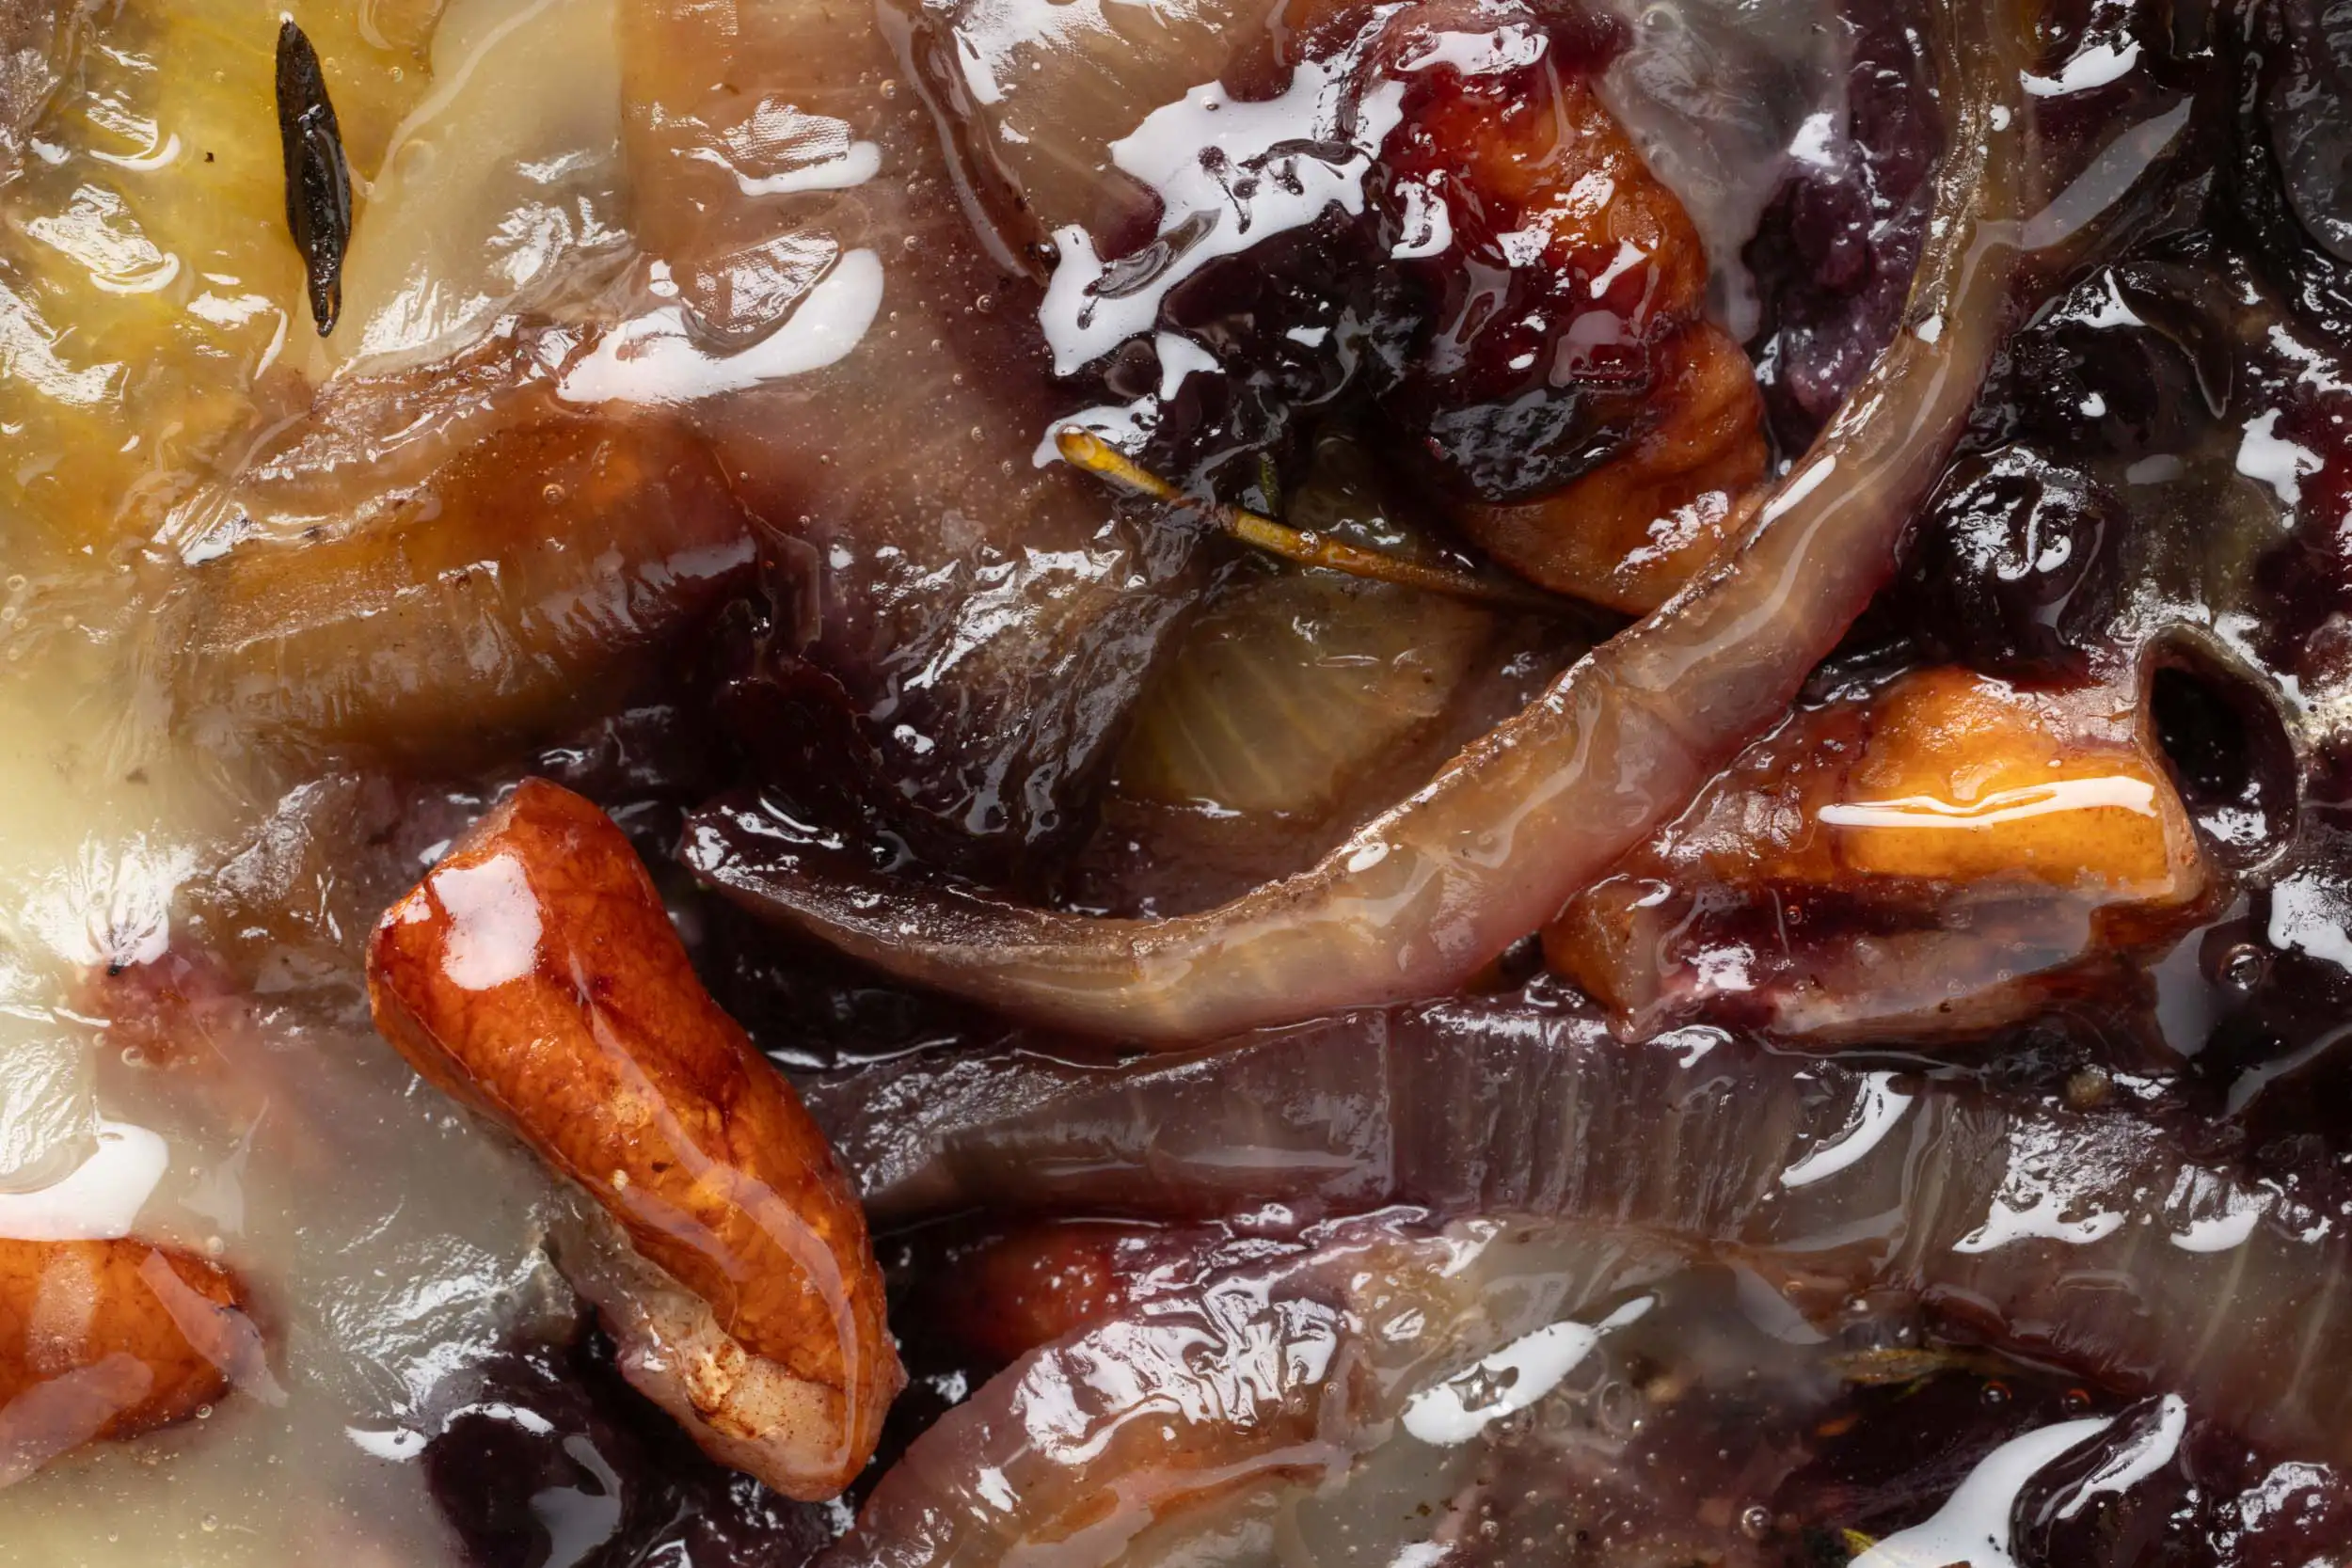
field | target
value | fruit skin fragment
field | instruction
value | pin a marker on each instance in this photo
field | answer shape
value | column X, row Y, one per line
column 103, row 1340
column 318, row 176
column 533, row 975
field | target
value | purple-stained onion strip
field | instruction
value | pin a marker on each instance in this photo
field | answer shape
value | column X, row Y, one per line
column 1299, row 1374
column 2091, row 1239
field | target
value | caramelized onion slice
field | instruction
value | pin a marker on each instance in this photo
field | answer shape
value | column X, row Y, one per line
column 1432, row 890
column 533, row 975
column 103, row 1340
column 523, row 580
column 1171, row 1424
column 988, row 621
column 1293, row 683
column 2091, row 1239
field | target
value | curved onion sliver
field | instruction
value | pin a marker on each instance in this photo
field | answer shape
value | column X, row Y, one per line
column 1341, row 1391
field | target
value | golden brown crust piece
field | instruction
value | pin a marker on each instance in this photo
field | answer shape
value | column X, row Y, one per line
column 101, row 1339
column 534, row 975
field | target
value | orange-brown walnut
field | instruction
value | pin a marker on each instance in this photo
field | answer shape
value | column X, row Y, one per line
column 1554, row 163
column 104, row 1339
column 525, row 577
column 1843, row 847
column 534, row 975
column 1682, row 425
column 1634, row 529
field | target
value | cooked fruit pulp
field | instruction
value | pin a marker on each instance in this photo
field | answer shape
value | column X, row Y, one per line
column 688, row 430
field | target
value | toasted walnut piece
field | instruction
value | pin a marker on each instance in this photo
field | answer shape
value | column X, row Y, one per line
column 103, row 1340
column 1632, row 531
column 1547, row 160
column 1591, row 429
column 1927, row 858
column 534, row 975
column 1966, row 778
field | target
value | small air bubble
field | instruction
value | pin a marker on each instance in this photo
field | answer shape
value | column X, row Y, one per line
column 554, row 495
column 978, row 434
column 1756, row 1521
column 2243, row 968
column 205, row 1413
column 133, row 1056
column 209, row 1523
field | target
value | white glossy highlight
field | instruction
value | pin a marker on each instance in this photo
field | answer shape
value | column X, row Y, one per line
column 1792, row 492
column 1881, row 1106
column 2134, row 1461
column 1510, row 1380
column 2241, row 1211
column 653, row 360
column 2094, row 67
column 1180, row 357
column 2265, row 457
column 101, row 1199
column 2043, row 1219
column 1971, row 1529
column 495, row 927
column 396, row 1447
column 1425, row 226
column 851, row 167
column 2000, row 808
column 1302, row 153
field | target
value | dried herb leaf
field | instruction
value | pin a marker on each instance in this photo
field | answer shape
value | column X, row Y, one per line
column 318, row 178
